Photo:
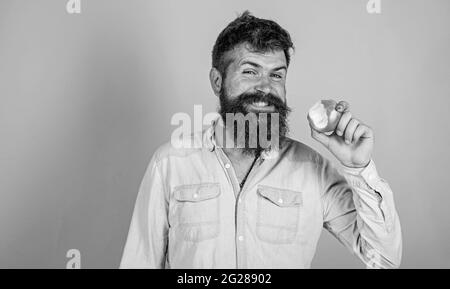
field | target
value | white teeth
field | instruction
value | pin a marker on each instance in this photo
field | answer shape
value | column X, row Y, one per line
column 260, row 103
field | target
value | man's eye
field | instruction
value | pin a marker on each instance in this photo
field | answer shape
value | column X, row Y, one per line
column 277, row 76
column 249, row 72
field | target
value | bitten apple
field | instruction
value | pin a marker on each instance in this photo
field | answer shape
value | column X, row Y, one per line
column 324, row 116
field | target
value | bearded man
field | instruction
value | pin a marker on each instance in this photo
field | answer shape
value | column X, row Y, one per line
column 247, row 195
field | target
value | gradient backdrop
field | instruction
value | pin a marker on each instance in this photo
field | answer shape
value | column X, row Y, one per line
column 87, row 98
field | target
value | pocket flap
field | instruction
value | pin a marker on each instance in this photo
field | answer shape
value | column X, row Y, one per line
column 196, row 192
column 281, row 197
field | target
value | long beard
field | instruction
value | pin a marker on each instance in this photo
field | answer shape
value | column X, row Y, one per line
column 262, row 130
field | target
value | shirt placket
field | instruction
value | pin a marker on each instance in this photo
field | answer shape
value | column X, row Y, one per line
column 240, row 237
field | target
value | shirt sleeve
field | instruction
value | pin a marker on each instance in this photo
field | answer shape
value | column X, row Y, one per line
column 146, row 243
column 359, row 211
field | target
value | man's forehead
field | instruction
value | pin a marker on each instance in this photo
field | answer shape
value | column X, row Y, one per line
column 244, row 52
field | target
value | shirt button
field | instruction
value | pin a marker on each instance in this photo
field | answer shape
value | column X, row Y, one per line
column 241, row 238
column 280, row 200
column 195, row 196
column 227, row 166
column 240, row 200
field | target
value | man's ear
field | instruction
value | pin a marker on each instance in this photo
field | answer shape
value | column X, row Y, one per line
column 215, row 77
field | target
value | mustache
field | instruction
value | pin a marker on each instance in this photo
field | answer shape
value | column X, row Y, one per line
column 249, row 98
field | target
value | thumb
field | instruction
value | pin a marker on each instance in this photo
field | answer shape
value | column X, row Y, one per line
column 320, row 137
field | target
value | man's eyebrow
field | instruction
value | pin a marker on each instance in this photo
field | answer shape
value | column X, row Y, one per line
column 280, row 67
column 254, row 64
column 250, row 63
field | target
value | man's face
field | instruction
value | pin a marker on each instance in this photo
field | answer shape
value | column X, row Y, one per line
column 255, row 83
column 251, row 72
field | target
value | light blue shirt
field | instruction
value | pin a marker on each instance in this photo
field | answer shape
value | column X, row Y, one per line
column 190, row 211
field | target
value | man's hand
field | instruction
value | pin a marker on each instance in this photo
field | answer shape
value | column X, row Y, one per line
column 351, row 142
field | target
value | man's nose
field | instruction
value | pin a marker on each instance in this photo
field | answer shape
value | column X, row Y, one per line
column 263, row 85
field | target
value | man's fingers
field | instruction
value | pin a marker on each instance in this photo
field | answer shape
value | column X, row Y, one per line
column 320, row 137
column 345, row 118
column 362, row 130
column 350, row 130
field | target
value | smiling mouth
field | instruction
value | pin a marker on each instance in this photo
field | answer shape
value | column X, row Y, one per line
column 260, row 103
column 260, row 106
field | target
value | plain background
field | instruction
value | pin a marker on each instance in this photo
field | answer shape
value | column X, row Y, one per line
column 86, row 99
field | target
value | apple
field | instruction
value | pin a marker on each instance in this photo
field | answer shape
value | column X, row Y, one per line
column 324, row 115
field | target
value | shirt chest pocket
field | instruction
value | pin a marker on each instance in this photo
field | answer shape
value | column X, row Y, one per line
column 196, row 211
column 278, row 213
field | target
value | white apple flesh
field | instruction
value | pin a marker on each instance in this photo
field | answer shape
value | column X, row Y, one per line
column 323, row 116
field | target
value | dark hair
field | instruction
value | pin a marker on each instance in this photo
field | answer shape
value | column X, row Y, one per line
column 261, row 34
